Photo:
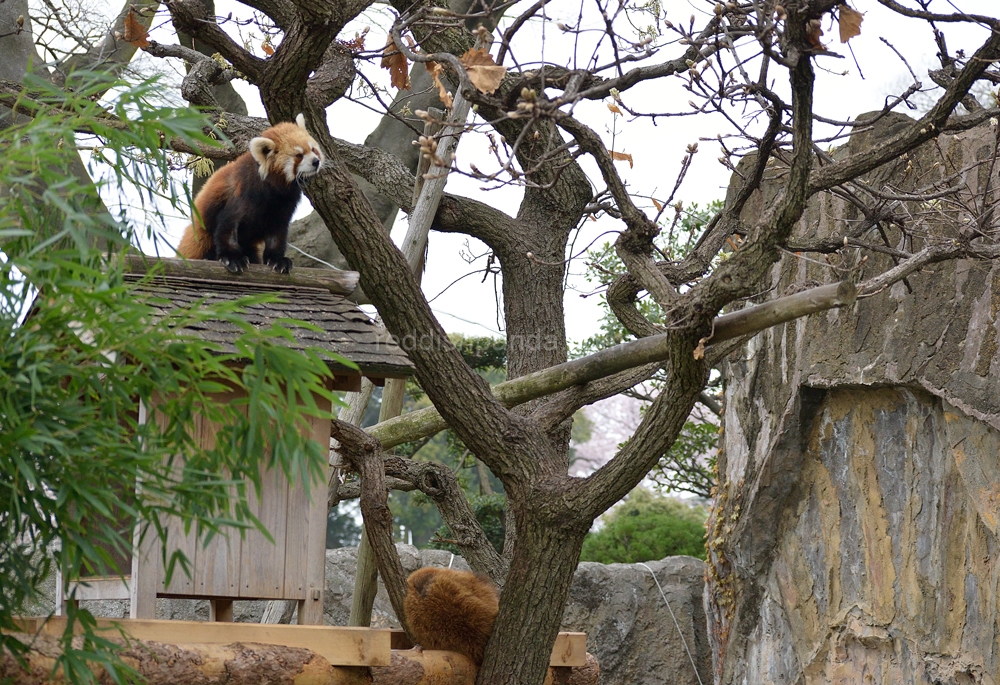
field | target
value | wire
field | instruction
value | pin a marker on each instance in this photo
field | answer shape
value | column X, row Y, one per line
column 315, row 258
column 679, row 631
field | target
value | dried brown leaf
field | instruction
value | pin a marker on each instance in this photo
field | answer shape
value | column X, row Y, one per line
column 699, row 351
column 614, row 108
column 657, row 204
column 358, row 44
column 484, row 73
column 395, row 62
column 622, row 157
column 813, row 33
column 850, row 22
column 135, row 33
column 268, row 50
column 435, row 70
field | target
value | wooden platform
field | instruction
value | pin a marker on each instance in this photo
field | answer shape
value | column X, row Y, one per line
column 341, row 646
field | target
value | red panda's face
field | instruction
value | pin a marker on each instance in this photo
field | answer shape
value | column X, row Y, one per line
column 287, row 152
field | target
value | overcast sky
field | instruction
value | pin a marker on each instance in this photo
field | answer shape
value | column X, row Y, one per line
column 471, row 305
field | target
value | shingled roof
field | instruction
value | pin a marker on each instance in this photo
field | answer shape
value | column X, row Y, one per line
column 316, row 296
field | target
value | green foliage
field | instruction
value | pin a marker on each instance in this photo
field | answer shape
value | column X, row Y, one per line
column 489, row 511
column 646, row 527
column 483, row 352
column 75, row 368
column 341, row 529
column 690, row 462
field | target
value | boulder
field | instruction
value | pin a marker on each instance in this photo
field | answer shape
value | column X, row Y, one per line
column 630, row 627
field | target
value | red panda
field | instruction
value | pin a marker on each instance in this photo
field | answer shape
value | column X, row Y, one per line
column 241, row 214
column 452, row 610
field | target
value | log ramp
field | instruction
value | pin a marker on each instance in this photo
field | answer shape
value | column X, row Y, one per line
column 198, row 653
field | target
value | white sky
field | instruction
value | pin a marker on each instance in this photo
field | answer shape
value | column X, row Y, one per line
column 841, row 93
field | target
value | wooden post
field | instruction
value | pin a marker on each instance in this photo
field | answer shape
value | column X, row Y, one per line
column 220, row 610
column 365, row 584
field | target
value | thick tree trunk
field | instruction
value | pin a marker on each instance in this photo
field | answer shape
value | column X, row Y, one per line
column 533, row 598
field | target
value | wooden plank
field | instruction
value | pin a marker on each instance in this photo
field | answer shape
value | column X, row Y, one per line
column 296, row 535
column 340, row 646
column 145, row 559
column 177, row 539
column 217, row 566
column 347, row 382
column 220, row 610
column 311, row 610
column 262, row 563
column 98, row 587
column 570, row 649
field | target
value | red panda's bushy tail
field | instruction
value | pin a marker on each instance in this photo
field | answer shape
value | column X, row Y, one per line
column 195, row 244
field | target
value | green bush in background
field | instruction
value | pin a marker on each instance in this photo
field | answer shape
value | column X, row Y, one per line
column 646, row 527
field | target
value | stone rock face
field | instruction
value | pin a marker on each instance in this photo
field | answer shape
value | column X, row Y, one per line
column 855, row 532
column 629, row 627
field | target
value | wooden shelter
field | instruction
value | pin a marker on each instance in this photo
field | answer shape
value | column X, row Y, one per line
column 234, row 567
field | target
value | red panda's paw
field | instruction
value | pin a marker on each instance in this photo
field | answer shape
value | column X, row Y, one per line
column 236, row 263
column 282, row 265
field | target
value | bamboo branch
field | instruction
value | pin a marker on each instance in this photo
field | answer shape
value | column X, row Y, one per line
column 654, row 348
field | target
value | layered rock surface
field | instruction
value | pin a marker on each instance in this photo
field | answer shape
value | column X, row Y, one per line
column 855, row 534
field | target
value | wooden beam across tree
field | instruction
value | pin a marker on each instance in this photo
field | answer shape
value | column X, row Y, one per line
column 425, row 422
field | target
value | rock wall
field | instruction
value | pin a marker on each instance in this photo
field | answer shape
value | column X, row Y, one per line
column 629, row 625
column 854, row 537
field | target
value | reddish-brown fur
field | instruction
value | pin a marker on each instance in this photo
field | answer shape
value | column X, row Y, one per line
column 451, row 610
column 242, row 213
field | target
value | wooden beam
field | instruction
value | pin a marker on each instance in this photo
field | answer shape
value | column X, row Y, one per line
column 782, row 310
column 340, row 646
column 337, row 282
column 99, row 587
column 570, row 649
column 655, row 348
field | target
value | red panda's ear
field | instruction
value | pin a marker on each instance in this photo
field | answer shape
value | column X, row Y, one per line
column 260, row 148
column 300, row 120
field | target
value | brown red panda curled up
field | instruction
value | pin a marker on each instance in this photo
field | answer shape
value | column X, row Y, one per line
column 452, row 610
column 241, row 214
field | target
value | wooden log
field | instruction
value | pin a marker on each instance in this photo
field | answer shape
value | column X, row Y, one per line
column 190, row 664
column 236, row 664
column 337, row 282
column 433, row 667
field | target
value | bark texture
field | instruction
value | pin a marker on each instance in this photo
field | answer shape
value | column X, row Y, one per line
column 856, row 520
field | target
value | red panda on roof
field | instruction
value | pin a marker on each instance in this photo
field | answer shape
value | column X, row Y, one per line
column 241, row 215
